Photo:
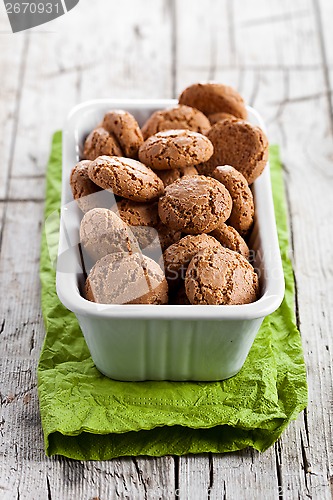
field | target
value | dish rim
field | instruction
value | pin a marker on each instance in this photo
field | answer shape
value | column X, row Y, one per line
column 67, row 283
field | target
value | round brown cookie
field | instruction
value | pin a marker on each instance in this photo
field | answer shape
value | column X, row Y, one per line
column 126, row 177
column 103, row 232
column 214, row 98
column 82, row 187
column 178, row 256
column 138, row 214
column 220, row 276
column 217, row 117
column 179, row 117
column 169, row 176
column 175, row 149
column 142, row 217
column 230, row 238
column 240, row 144
column 126, row 129
column 146, row 226
column 195, row 204
column 242, row 213
column 126, row 279
column 100, row 142
column 167, row 236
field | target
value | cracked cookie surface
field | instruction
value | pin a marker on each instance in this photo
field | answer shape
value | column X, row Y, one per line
column 214, row 98
column 175, row 149
column 242, row 213
column 177, row 257
column 217, row 276
column 195, row 204
column 126, row 129
column 102, row 232
column 170, row 176
column 82, row 186
column 230, row 238
column 126, row 279
column 179, row 117
column 239, row 144
column 126, row 177
column 100, row 142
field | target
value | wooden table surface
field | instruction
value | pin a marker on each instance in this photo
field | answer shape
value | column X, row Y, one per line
column 279, row 54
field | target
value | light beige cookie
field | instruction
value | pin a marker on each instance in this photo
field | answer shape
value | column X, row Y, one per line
column 169, row 176
column 126, row 129
column 103, row 232
column 100, row 142
column 240, row 144
column 82, row 187
column 195, row 204
column 220, row 276
column 214, row 98
column 126, row 279
column 126, row 177
column 179, row 117
column 230, row 238
column 175, row 149
column 242, row 213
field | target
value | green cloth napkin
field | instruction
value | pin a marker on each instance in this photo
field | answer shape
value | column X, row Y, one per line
column 87, row 416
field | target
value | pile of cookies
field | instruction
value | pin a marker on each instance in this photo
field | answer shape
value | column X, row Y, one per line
column 167, row 208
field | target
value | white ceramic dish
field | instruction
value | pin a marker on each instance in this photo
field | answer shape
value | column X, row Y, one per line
column 168, row 342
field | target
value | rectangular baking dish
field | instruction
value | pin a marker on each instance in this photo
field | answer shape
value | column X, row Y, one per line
column 167, row 342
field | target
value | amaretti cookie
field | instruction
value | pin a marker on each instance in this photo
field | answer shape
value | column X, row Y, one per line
column 146, row 226
column 240, row 144
column 126, row 129
column 179, row 117
column 167, row 235
column 175, row 149
column 195, row 204
column 178, row 256
column 100, row 142
column 217, row 117
column 242, row 213
column 126, row 279
column 142, row 217
column 82, row 187
column 220, row 276
column 103, row 232
column 126, row 177
column 170, row 176
column 214, row 98
column 230, row 238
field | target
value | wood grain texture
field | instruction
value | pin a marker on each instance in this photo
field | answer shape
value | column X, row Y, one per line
column 279, row 66
column 279, row 55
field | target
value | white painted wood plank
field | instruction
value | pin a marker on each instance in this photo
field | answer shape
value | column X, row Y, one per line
column 12, row 66
column 278, row 32
column 119, row 59
column 26, row 473
column 195, row 477
column 20, row 313
column 325, row 15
